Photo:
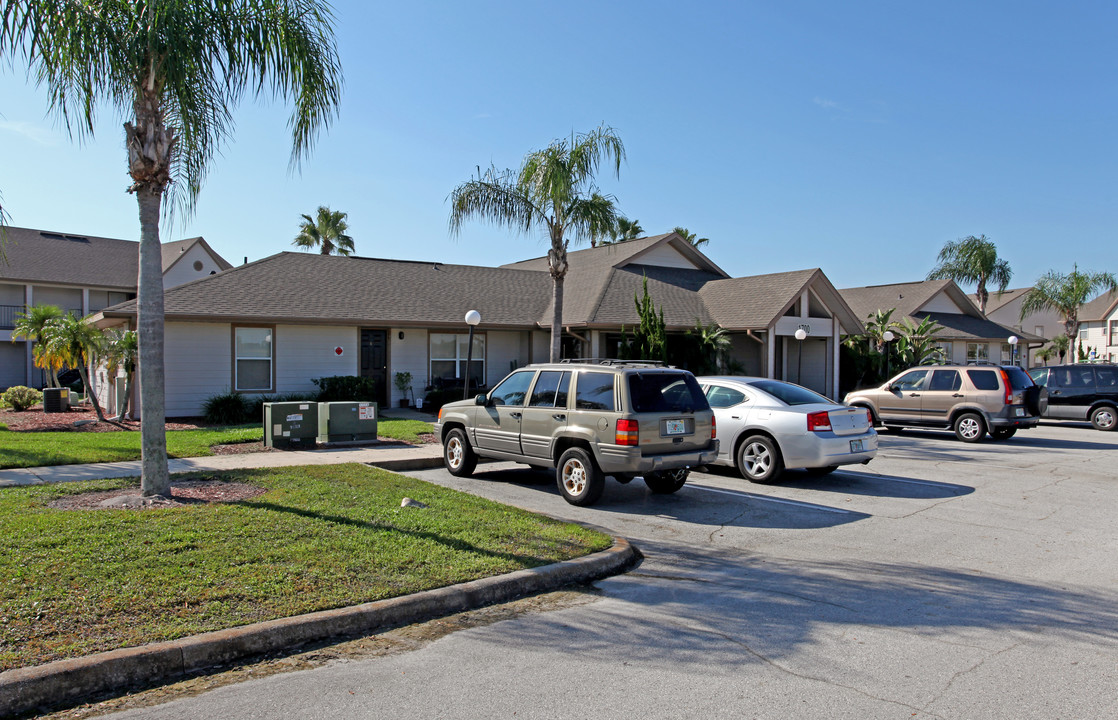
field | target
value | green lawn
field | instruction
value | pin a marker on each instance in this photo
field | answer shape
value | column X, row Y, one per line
column 74, row 582
column 33, row 449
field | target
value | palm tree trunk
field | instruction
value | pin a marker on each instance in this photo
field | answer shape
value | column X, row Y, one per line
column 155, row 479
column 557, row 318
column 127, row 396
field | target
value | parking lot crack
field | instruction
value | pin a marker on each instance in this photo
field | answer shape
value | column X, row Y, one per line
column 731, row 521
column 970, row 670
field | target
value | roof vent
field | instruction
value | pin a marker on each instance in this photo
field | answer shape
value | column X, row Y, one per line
column 59, row 236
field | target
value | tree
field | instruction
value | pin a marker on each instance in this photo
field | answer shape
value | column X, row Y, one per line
column 650, row 337
column 690, row 236
column 1061, row 344
column 29, row 326
column 326, row 231
column 177, row 69
column 554, row 191
column 1064, row 294
column 973, row 260
column 713, row 344
column 916, row 343
column 1046, row 353
column 76, row 343
column 120, row 350
column 626, row 230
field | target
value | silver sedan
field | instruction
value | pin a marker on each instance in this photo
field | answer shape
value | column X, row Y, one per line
column 766, row 426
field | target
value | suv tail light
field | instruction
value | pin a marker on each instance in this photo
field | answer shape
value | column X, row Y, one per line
column 818, row 421
column 628, row 432
column 1008, row 387
column 713, row 427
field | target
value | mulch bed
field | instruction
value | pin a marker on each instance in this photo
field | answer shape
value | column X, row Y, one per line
column 35, row 420
column 183, row 492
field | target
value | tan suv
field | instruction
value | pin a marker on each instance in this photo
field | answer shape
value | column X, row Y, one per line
column 587, row 419
column 969, row 399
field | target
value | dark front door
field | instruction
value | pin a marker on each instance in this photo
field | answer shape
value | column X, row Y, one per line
column 374, row 362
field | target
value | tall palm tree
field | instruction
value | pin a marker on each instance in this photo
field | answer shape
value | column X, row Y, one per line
column 76, row 343
column 553, row 191
column 1064, row 294
column 120, row 350
column 29, row 326
column 973, row 260
column 326, row 231
column 177, row 69
column 626, row 230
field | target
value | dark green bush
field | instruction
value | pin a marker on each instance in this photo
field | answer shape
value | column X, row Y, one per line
column 228, row 408
column 345, row 388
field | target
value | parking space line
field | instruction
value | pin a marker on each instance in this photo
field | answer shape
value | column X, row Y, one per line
column 782, row 501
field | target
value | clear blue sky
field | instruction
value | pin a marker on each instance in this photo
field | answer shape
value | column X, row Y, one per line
column 856, row 137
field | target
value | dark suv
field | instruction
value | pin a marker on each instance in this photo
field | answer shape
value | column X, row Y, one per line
column 587, row 419
column 1081, row 392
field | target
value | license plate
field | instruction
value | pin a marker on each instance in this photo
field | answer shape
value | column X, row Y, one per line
column 857, row 446
column 1020, row 412
column 675, row 427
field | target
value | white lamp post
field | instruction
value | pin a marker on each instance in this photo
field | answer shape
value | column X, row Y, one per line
column 1013, row 340
column 800, row 335
column 473, row 317
column 887, row 337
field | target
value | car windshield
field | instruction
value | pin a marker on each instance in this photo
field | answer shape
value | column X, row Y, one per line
column 790, row 394
column 665, row 392
column 1018, row 378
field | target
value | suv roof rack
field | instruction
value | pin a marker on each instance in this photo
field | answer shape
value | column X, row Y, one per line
column 612, row 361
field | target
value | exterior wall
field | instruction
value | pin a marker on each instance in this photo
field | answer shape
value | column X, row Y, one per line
column 940, row 303
column 11, row 294
column 183, row 270
column 541, row 346
column 749, row 353
column 502, row 353
column 65, row 298
column 408, row 355
column 13, row 364
column 1047, row 324
column 197, row 365
column 665, row 256
column 1097, row 339
column 304, row 352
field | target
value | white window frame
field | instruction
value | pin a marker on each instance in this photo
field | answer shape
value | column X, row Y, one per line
column 1113, row 333
column 973, row 352
column 271, row 339
column 459, row 359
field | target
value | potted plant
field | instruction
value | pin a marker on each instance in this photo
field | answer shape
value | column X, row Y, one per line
column 402, row 381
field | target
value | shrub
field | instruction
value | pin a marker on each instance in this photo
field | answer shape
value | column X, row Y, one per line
column 21, row 397
column 345, row 388
column 228, row 408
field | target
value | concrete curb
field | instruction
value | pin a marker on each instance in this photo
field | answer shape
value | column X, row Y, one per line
column 63, row 682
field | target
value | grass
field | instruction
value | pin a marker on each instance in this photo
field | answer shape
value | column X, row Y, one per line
column 34, row 449
column 75, row 582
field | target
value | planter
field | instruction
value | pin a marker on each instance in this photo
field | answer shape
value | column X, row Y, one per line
column 403, row 402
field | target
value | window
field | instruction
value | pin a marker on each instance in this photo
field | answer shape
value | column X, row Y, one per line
column 665, row 392
column 252, row 359
column 1039, row 375
column 945, row 381
column 1106, row 379
column 594, row 391
column 1038, row 330
column 983, row 379
column 513, row 389
column 1083, row 334
column 551, row 389
column 913, row 380
column 448, row 359
column 978, row 352
column 1113, row 333
column 719, row 396
column 790, row 394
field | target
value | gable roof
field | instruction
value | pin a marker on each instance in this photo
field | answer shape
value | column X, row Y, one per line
column 43, row 256
column 996, row 301
column 756, row 302
column 311, row 288
column 1099, row 309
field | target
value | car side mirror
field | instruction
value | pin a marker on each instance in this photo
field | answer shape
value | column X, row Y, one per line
column 481, row 399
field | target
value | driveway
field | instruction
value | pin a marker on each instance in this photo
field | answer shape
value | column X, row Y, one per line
column 941, row 581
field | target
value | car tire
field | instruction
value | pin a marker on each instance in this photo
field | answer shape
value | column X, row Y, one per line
column 970, row 427
column 667, row 481
column 459, row 458
column 1003, row 433
column 579, row 480
column 820, row 471
column 759, row 460
column 1104, row 418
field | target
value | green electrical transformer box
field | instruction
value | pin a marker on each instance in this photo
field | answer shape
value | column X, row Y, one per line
column 347, row 421
column 290, row 424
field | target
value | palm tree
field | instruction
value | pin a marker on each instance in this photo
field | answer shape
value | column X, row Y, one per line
column 120, row 350
column 177, row 69
column 916, row 342
column 1046, row 353
column 713, row 342
column 626, row 230
column 1061, row 344
column 1064, row 294
column 973, row 260
column 29, row 326
column 690, row 236
column 327, row 232
column 76, row 343
column 552, row 191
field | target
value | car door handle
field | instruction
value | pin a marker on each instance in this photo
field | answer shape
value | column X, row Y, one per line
column 559, row 416
column 914, row 394
column 957, row 395
column 1055, row 392
column 514, row 415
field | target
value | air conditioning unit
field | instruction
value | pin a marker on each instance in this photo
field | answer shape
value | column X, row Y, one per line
column 347, row 421
column 56, row 400
column 290, row 424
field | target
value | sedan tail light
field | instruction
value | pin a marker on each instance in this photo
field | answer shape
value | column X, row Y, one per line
column 628, row 432
column 819, row 421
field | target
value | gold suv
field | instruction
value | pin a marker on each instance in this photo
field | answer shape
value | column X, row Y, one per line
column 969, row 399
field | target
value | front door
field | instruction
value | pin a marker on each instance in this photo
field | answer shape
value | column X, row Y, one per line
column 374, row 363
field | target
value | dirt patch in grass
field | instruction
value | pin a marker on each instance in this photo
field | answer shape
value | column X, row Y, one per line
column 183, row 492
column 35, row 420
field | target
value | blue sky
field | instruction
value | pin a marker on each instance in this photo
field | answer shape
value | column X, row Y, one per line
column 856, row 137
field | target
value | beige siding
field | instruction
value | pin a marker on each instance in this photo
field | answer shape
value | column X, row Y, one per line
column 198, row 365
column 65, row 298
column 665, row 256
column 183, row 270
column 502, row 353
column 11, row 294
column 940, row 303
column 407, row 355
column 304, row 352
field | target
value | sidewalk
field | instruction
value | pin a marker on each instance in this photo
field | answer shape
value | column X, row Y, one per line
column 390, row 456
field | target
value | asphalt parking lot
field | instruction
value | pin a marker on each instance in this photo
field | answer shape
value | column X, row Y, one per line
column 943, row 580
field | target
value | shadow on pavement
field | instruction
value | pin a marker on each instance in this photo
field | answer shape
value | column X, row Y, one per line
column 856, row 482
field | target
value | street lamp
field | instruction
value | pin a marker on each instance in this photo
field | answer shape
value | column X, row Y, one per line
column 1013, row 339
column 473, row 317
column 887, row 337
column 800, row 335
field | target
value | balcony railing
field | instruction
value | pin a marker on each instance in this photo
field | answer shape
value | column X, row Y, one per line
column 9, row 314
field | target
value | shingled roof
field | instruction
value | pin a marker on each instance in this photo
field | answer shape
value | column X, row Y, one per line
column 1099, row 309
column 174, row 251
column 293, row 287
